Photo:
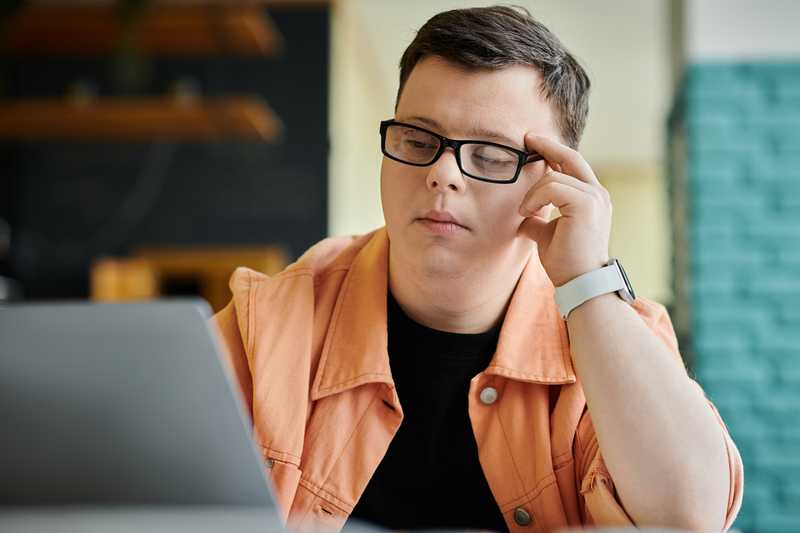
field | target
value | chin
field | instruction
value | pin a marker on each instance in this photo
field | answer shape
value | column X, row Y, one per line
column 440, row 258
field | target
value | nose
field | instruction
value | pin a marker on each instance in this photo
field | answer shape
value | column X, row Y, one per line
column 445, row 175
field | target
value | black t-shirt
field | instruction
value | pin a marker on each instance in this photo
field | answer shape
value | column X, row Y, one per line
column 431, row 476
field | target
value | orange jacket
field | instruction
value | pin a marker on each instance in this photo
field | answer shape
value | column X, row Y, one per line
column 309, row 349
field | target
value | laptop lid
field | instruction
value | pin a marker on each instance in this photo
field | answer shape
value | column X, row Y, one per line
column 122, row 404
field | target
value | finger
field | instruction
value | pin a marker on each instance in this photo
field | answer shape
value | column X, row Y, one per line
column 566, row 179
column 545, row 213
column 564, row 197
column 561, row 157
column 526, row 208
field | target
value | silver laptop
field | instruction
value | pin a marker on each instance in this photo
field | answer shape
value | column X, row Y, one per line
column 121, row 405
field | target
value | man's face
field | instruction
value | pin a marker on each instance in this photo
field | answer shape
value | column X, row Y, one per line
column 499, row 106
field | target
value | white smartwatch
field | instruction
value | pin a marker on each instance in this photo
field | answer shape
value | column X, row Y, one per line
column 610, row 278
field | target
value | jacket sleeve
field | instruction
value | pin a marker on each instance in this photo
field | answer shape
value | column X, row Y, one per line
column 599, row 500
column 237, row 332
column 232, row 324
column 602, row 505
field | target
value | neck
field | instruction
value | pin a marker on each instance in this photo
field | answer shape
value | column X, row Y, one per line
column 471, row 301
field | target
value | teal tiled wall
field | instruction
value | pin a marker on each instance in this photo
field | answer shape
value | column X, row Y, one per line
column 742, row 127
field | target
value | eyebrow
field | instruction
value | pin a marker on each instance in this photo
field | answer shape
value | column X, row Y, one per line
column 475, row 131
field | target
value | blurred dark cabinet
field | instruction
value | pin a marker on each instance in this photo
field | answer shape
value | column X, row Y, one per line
column 68, row 203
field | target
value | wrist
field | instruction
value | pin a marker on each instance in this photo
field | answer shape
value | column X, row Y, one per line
column 608, row 279
column 563, row 278
column 593, row 305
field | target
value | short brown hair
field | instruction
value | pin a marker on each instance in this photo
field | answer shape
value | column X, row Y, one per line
column 496, row 37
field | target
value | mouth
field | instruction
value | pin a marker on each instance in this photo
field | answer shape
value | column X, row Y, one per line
column 441, row 223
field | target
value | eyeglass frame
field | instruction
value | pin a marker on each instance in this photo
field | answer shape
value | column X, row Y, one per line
column 456, row 144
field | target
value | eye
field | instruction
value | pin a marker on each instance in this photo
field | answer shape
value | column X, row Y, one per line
column 417, row 144
column 496, row 159
column 492, row 160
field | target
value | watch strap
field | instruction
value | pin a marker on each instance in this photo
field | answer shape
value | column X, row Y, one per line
column 587, row 286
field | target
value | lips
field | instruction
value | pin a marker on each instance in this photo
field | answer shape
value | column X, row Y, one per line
column 442, row 218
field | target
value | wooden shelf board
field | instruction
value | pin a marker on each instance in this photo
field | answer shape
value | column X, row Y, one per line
column 192, row 28
column 139, row 119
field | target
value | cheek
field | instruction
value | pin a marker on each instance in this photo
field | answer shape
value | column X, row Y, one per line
column 501, row 216
column 504, row 208
column 384, row 185
column 396, row 188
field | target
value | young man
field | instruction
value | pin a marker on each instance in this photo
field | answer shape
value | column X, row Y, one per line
column 423, row 375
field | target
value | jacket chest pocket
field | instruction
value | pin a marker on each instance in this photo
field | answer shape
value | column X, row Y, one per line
column 313, row 511
column 538, row 512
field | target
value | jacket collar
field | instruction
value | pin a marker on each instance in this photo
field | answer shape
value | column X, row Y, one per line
column 533, row 345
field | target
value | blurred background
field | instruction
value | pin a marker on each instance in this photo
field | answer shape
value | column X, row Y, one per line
column 149, row 147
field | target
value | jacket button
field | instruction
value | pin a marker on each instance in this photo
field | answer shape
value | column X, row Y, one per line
column 488, row 395
column 522, row 517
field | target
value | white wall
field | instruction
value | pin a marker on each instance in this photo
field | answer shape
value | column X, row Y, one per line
column 741, row 29
column 359, row 99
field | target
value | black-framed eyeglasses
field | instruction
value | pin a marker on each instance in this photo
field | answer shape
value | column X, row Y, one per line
column 480, row 160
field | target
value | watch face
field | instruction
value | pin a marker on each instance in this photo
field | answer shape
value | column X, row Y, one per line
column 627, row 283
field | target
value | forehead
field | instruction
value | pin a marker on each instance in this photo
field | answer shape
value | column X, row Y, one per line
column 507, row 101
